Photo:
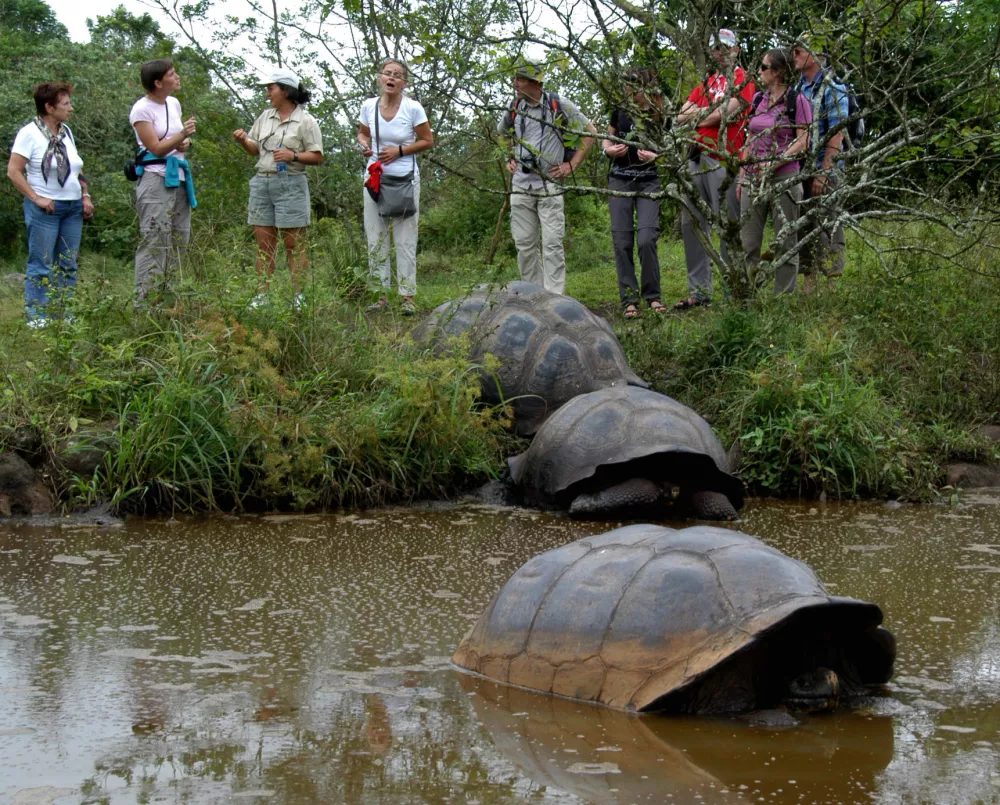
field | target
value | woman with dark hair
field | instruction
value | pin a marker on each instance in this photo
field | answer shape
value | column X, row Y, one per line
column 767, row 183
column 286, row 139
column 393, row 130
column 45, row 167
column 633, row 170
column 164, row 196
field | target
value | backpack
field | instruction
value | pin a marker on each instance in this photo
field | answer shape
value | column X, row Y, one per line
column 559, row 119
column 855, row 119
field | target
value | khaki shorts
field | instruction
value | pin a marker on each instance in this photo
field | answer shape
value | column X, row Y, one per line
column 280, row 201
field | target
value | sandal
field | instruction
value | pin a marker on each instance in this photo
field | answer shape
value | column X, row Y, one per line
column 692, row 302
column 631, row 312
column 409, row 307
column 379, row 306
column 657, row 306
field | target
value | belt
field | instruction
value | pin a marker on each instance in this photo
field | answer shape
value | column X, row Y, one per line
column 269, row 174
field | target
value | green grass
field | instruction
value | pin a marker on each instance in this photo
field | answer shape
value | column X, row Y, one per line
column 865, row 389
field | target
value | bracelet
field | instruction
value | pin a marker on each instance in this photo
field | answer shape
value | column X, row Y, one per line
column 401, row 154
column 86, row 195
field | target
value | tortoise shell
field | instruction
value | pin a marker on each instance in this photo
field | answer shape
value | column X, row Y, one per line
column 551, row 348
column 628, row 617
column 588, row 442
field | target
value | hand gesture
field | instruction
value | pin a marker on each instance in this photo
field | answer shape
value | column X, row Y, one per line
column 616, row 150
column 190, row 126
column 512, row 165
column 88, row 208
column 561, row 171
column 46, row 205
column 283, row 155
column 240, row 136
column 820, row 185
column 185, row 145
column 646, row 156
column 387, row 154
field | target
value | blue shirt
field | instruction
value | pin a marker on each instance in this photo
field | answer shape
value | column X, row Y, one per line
column 829, row 103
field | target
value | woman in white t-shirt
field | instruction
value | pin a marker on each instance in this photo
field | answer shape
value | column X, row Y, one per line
column 163, row 195
column 45, row 167
column 393, row 130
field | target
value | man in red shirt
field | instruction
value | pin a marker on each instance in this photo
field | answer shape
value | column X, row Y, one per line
column 725, row 96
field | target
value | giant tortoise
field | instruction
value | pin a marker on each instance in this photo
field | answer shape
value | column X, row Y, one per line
column 627, row 452
column 701, row 620
column 550, row 347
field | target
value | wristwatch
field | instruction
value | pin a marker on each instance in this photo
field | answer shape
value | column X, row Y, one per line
column 295, row 156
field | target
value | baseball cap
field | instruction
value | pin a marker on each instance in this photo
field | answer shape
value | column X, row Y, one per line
column 526, row 68
column 284, row 77
column 723, row 37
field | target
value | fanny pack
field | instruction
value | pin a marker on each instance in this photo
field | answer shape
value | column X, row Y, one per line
column 142, row 157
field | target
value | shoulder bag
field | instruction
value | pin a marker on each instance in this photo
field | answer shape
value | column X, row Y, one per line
column 396, row 194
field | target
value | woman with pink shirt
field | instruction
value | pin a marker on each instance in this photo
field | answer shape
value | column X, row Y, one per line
column 768, row 183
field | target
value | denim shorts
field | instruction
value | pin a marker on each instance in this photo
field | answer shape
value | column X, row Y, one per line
column 280, row 201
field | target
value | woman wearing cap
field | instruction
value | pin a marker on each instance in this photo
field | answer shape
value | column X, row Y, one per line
column 163, row 197
column 398, row 125
column 767, row 183
column 45, row 167
column 286, row 139
column 633, row 170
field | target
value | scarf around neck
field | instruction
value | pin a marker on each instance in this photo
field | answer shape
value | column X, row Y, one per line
column 57, row 149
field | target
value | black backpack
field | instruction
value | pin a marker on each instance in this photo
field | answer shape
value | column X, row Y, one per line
column 855, row 119
column 558, row 118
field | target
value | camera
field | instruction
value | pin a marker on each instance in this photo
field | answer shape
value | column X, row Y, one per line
column 529, row 163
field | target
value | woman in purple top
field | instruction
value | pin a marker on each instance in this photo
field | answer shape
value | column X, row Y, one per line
column 768, row 183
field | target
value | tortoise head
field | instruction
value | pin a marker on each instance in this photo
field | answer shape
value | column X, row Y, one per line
column 815, row 691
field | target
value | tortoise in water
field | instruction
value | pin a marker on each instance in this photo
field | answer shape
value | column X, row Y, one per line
column 627, row 452
column 550, row 347
column 702, row 620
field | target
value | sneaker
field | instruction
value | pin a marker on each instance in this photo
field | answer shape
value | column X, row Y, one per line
column 379, row 306
column 38, row 324
column 260, row 300
column 409, row 307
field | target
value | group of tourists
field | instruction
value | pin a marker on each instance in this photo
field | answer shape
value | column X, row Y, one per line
column 549, row 137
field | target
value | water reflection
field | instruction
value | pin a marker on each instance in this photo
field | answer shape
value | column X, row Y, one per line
column 304, row 659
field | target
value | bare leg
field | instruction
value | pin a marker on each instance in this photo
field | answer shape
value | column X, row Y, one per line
column 267, row 245
column 298, row 260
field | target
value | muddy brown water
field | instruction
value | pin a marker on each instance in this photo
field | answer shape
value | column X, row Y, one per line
column 300, row 659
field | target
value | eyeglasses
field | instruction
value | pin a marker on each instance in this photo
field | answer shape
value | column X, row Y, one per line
column 765, row 66
column 393, row 74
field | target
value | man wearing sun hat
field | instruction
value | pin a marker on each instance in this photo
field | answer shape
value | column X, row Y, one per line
column 537, row 126
column 726, row 93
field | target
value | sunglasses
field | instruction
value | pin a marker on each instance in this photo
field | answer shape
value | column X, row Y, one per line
column 765, row 66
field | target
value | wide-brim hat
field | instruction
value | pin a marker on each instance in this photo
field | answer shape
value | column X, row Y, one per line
column 281, row 76
column 533, row 71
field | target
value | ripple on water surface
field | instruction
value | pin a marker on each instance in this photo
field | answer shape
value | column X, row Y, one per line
column 294, row 659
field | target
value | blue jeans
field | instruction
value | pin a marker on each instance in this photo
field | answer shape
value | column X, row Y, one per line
column 53, row 245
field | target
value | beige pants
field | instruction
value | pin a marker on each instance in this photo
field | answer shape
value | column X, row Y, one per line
column 784, row 211
column 164, row 228
column 531, row 217
column 404, row 237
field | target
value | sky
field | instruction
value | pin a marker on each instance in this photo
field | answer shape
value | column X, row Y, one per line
column 73, row 14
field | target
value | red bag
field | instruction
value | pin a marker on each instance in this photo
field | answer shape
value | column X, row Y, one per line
column 374, row 180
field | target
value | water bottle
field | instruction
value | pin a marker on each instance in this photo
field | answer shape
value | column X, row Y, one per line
column 281, row 168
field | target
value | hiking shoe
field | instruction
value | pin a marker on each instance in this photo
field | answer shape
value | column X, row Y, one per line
column 409, row 307
column 379, row 306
